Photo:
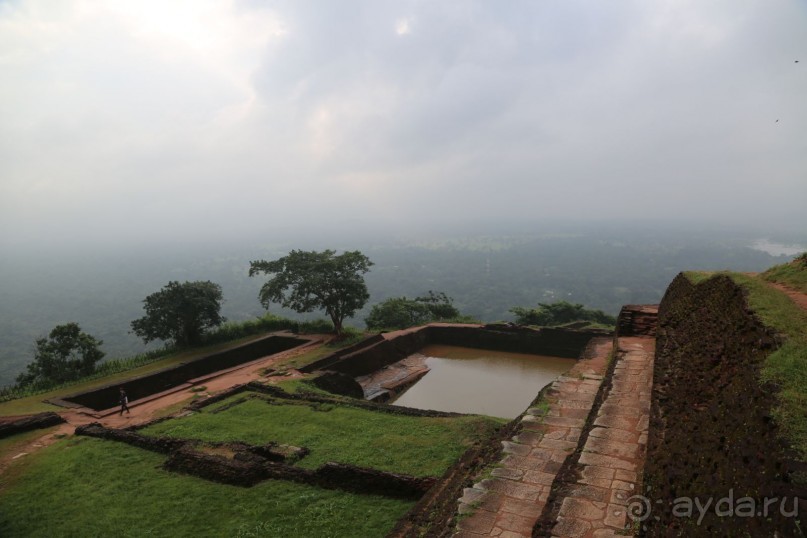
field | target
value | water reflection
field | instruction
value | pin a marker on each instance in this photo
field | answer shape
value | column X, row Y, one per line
column 468, row 380
column 778, row 249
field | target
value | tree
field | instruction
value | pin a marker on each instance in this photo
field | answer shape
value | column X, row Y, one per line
column 397, row 313
column 401, row 312
column 559, row 313
column 440, row 305
column 307, row 281
column 66, row 354
column 180, row 312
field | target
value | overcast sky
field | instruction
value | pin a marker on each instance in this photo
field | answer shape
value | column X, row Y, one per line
column 131, row 119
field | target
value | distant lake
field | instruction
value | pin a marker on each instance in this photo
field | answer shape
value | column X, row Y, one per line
column 495, row 383
column 778, row 249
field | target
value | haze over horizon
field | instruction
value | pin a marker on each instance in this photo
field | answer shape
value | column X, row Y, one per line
column 127, row 121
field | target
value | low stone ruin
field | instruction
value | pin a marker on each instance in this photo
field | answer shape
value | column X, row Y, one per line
column 242, row 464
column 28, row 423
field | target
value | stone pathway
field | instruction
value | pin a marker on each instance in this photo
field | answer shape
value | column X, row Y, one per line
column 610, row 465
column 509, row 503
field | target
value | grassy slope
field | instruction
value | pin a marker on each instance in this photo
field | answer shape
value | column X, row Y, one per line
column 90, row 487
column 787, row 366
column 396, row 443
column 793, row 274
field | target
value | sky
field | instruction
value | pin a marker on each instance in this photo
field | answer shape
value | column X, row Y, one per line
column 127, row 121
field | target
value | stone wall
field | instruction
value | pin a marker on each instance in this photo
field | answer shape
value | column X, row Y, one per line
column 334, row 357
column 556, row 342
column 637, row 320
column 141, row 387
column 711, row 431
column 373, row 354
column 17, row 425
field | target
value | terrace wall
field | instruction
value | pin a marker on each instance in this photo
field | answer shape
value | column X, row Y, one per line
column 556, row 342
column 712, row 435
column 141, row 387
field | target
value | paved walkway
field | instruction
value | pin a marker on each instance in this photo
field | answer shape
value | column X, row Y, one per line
column 509, row 503
column 611, row 462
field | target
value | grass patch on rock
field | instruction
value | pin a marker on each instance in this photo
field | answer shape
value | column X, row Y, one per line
column 696, row 277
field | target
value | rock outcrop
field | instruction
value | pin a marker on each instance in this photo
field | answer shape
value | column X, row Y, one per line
column 712, row 436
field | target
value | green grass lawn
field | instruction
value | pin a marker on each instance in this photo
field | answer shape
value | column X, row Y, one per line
column 419, row 446
column 89, row 487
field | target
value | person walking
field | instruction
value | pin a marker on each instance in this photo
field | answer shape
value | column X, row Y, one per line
column 124, row 402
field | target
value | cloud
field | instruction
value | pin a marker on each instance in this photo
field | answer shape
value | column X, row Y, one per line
column 402, row 26
column 145, row 119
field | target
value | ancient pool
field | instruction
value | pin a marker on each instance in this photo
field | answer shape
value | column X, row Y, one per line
column 106, row 397
column 480, row 381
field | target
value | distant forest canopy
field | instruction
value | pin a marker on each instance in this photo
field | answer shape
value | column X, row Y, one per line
column 486, row 275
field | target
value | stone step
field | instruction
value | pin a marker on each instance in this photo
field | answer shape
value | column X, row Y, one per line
column 532, row 459
column 592, row 501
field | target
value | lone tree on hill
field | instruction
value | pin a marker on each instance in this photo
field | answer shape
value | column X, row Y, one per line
column 180, row 312
column 401, row 312
column 307, row 281
column 66, row 354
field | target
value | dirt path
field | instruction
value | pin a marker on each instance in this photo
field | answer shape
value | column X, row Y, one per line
column 151, row 409
column 798, row 297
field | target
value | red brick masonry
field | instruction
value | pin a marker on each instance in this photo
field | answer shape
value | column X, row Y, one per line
column 509, row 503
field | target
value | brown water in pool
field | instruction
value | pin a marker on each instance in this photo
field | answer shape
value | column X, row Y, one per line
column 468, row 380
